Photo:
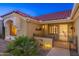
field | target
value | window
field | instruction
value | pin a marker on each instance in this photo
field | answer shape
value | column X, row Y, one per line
column 53, row 29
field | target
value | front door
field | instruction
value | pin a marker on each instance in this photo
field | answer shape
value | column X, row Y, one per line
column 63, row 32
column 60, row 35
column 63, row 37
column 59, row 31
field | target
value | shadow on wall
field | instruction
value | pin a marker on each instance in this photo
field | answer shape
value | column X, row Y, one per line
column 1, row 29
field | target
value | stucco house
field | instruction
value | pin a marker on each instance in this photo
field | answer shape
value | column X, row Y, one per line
column 61, row 26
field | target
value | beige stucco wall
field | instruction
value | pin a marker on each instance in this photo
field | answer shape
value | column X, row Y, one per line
column 76, row 26
column 25, row 25
column 17, row 20
column 31, row 29
column 45, row 42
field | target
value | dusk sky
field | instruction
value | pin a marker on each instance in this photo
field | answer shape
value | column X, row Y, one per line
column 35, row 9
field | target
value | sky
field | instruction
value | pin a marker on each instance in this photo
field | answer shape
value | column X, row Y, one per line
column 35, row 9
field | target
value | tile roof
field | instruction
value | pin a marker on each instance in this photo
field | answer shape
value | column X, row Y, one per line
column 55, row 16
column 18, row 12
column 46, row 17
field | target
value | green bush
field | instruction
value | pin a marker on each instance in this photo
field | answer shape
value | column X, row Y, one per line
column 23, row 46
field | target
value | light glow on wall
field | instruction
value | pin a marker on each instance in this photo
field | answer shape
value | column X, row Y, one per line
column 63, row 32
column 47, row 46
column 13, row 30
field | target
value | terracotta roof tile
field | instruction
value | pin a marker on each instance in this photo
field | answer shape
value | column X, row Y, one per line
column 18, row 12
column 55, row 16
column 46, row 17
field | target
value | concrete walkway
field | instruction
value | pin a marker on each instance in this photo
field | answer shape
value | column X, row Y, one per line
column 58, row 52
column 3, row 45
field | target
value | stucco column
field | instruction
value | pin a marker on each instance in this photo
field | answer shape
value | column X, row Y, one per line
column 76, row 25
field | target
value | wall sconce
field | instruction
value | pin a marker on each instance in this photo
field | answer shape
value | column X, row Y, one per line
column 72, row 28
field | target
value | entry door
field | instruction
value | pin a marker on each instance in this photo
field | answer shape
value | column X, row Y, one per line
column 63, row 32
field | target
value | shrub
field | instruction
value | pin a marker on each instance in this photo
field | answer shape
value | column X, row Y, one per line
column 23, row 46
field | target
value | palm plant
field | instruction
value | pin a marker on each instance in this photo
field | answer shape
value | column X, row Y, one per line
column 23, row 46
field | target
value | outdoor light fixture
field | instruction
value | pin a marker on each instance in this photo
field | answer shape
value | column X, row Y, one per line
column 72, row 28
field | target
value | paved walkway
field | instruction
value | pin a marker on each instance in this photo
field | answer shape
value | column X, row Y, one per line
column 58, row 52
column 3, row 45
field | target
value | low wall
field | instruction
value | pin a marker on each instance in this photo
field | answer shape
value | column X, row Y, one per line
column 44, row 42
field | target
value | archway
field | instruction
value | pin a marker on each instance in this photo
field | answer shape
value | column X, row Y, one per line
column 11, row 27
column 10, row 30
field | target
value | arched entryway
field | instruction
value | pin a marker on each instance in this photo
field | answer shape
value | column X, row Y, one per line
column 10, row 29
